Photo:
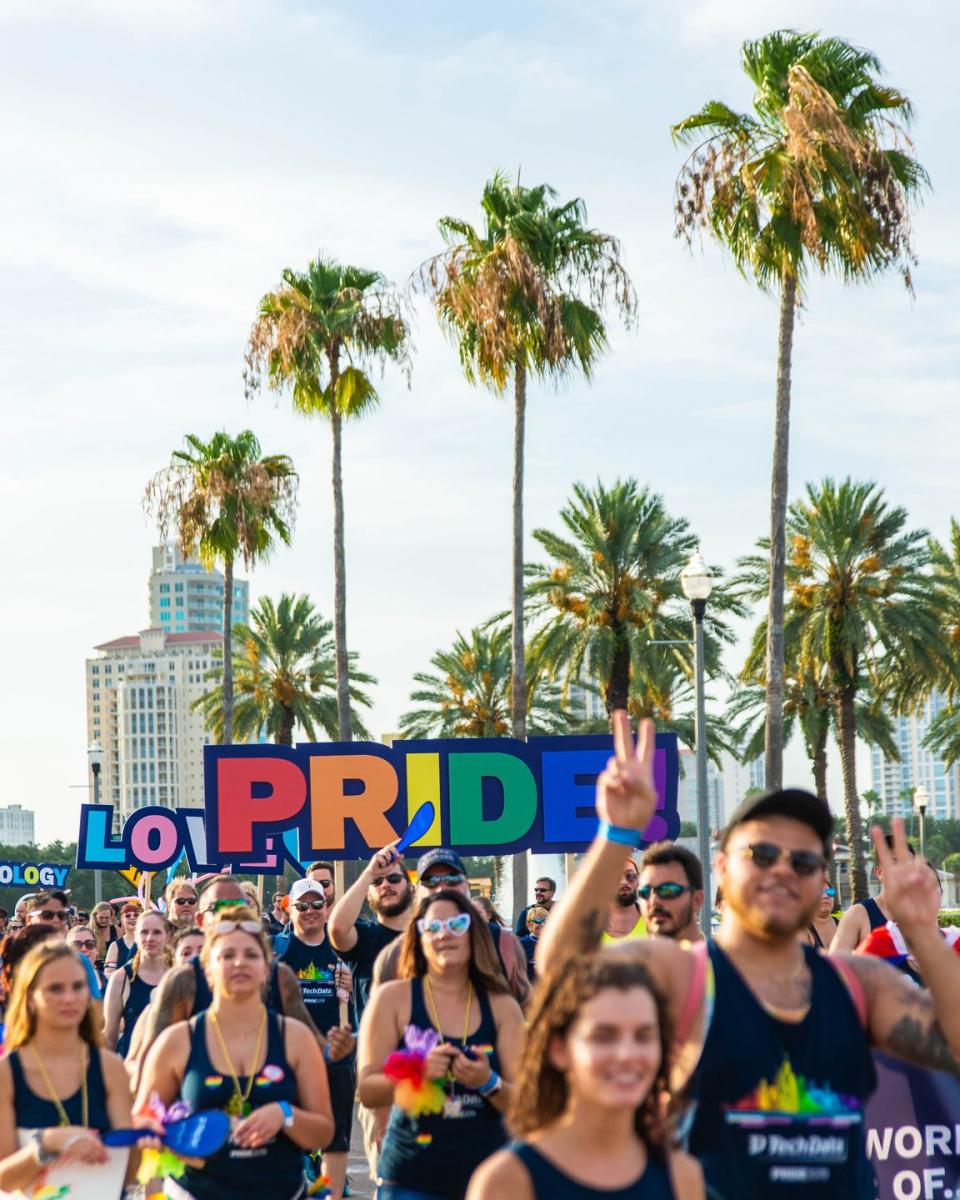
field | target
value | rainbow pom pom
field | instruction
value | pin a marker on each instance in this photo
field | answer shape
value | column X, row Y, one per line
column 156, row 1164
column 320, row 1187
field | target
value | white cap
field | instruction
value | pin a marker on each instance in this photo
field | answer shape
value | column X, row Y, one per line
column 303, row 887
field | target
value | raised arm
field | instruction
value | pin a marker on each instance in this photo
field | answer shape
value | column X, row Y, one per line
column 626, row 801
column 342, row 922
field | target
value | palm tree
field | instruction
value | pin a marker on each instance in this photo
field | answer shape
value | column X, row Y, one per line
column 226, row 500
column 612, row 588
column 318, row 334
column 943, row 736
column 818, row 175
column 470, row 695
column 525, row 295
column 861, row 604
column 284, row 668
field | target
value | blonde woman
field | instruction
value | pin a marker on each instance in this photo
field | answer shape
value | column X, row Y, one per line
column 180, row 897
column 130, row 988
column 101, row 925
column 184, row 945
column 55, row 1079
column 266, row 1070
column 123, row 948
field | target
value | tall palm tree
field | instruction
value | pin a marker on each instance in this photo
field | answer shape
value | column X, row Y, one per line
column 317, row 335
column 470, row 695
column 612, row 588
column 523, row 295
column 226, row 500
column 861, row 603
column 943, row 736
column 284, row 668
column 818, row 175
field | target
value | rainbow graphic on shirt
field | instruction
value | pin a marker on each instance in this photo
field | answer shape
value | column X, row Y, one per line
column 487, row 1050
column 212, row 1081
column 315, row 974
column 424, row 1139
column 790, row 1095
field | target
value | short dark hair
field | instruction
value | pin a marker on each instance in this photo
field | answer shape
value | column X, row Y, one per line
column 547, row 879
column 315, row 866
column 662, row 853
column 42, row 898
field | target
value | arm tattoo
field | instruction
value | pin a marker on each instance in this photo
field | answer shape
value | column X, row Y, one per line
column 922, row 1044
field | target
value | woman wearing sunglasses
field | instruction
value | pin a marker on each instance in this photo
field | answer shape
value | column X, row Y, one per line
column 130, row 988
column 180, row 898
column 536, row 919
column 55, row 1080
column 592, row 1106
column 123, row 948
column 823, row 927
column 263, row 1069
column 449, row 1020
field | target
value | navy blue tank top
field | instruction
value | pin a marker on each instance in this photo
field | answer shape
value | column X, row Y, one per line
column 203, row 997
column 137, row 1000
column 550, row 1183
column 779, row 1106
column 124, row 952
column 874, row 914
column 34, row 1112
column 275, row 1169
column 437, row 1153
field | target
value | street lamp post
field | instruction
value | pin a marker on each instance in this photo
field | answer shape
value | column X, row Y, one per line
column 95, row 757
column 697, row 584
column 921, row 798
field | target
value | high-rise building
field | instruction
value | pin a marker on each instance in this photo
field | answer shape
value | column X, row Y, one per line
column 187, row 598
column 687, row 790
column 17, row 826
column 140, row 690
column 894, row 781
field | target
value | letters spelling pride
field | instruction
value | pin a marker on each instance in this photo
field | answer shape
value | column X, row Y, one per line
column 45, row 875
column 266, row 805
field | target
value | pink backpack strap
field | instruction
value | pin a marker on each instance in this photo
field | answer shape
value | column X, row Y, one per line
column 848, row 973
column 693, row 1001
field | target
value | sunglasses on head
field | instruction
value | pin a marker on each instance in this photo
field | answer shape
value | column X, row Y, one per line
column 306, row 905
column 223, row 927
column 457, row 925
column 802, row 862
column 185, row 900
column 663, row 891
column 394, row 877
column 438, row 881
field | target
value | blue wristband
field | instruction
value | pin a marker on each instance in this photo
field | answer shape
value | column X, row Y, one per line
column 490, row 1086
column 617, row 833
column 326, row 1052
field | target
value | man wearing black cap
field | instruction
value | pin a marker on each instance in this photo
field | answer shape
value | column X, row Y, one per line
column 780, row 1061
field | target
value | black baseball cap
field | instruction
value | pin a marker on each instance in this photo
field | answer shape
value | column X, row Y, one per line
column 440, row 857
column 795, row 803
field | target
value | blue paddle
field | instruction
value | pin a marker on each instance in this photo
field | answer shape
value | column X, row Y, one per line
column 198, row 1136
column 420, row 823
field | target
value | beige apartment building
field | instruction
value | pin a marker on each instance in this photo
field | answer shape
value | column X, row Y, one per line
column 139, row 695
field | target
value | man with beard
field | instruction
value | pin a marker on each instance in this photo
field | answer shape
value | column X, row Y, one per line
column 671, row 891
column 385, row 885
column 775, row 1038
column 624, row 922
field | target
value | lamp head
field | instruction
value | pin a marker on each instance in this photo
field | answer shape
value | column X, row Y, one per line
column 95, row 756
column 695, row 578
column 921, row 798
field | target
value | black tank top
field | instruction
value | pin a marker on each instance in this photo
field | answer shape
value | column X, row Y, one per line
column 203, row 997
column 550, row 1183
column 779, row 1106
column 275, row 1169
column 137, row 1000
column 124, row 952
column 438, row 1153
column 874, row 913
column 34, row 1112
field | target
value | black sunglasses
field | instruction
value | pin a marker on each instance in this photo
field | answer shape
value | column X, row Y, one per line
column 663, row 891
column 185, row 900
column 306, row 905
column 394, row 877
column 802, row 862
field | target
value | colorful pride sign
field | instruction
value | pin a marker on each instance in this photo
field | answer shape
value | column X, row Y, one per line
column 266, row 805
column 31, row 874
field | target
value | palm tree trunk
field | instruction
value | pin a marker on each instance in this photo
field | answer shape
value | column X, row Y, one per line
column 617, row 691
column 227, row 651
column 285, row 732
column 773, row 735
column 518, row 673
column 820, row 765
column 847, row 729
column 340, row 577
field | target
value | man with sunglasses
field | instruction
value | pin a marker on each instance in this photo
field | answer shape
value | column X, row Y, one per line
column 544, row 891
column 775, row 1037
column 671, row 892
column 324, row 980
column 624, row 921
column 48, row 908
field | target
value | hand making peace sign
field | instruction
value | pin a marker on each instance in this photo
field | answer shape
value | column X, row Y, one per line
column 910, row 886
column 626, row 794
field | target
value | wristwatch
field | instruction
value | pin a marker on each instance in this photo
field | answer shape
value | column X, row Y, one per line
column 40, row 1152
column 287, row 1109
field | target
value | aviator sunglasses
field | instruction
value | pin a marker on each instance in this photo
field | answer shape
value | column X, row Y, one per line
column 457, row 925
column 802, row 862
column 663, row 891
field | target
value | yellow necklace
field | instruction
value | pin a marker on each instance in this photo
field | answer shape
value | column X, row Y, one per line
column 62, row 1118
column 435, row 1012
column 239, row 1103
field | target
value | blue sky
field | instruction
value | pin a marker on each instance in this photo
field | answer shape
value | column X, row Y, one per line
column 165, row 160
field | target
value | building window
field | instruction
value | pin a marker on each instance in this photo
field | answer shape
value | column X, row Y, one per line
column 164, row 587
column 178, row 587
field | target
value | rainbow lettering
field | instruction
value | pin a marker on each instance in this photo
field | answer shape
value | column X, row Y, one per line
column 790, row 1094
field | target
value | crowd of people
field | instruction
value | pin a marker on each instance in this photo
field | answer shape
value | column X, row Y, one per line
column 600, row 1047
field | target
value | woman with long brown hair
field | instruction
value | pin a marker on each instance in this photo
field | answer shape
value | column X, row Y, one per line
column 592, row 1109
column 55, row 1079
column 130, row 988
column 124, row 946
column 104, row 930
column 264, row 1069
column 440, row 1044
